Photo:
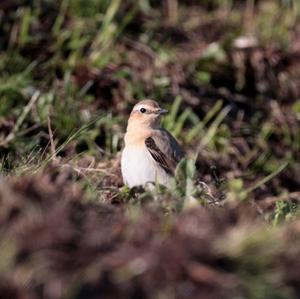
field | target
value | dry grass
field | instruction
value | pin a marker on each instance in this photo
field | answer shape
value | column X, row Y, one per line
column 228, row 71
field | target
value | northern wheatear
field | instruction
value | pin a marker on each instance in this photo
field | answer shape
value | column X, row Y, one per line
column 151, row 153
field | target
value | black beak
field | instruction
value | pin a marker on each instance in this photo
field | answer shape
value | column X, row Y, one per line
column 162, row 111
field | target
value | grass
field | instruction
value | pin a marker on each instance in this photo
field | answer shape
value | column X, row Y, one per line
column 70, row 103
column 71, row 72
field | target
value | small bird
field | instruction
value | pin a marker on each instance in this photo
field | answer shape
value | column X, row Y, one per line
column 151, row 153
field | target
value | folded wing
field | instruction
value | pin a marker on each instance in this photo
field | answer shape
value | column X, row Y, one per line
column 165, row 150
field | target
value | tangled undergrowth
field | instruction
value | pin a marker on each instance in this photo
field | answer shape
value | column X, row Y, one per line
column 228, row 71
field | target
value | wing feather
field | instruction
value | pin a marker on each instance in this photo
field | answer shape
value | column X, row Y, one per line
column 166, row 154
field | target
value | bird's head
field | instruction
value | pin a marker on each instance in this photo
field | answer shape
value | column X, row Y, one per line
column 146, row 114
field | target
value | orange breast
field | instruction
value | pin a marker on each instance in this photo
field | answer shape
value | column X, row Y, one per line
column 136, row 138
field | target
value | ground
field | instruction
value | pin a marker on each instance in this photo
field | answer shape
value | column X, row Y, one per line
column 229, row 74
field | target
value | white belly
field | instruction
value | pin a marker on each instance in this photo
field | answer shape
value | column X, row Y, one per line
column 138, row 168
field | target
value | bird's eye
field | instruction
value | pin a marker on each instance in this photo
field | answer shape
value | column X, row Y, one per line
column 143, row 110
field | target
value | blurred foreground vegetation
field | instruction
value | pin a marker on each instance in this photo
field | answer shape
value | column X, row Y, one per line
column 229, row 73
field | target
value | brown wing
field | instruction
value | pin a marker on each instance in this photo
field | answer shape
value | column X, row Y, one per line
column 166, row 154
column 173, row 149
column 158, row 155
